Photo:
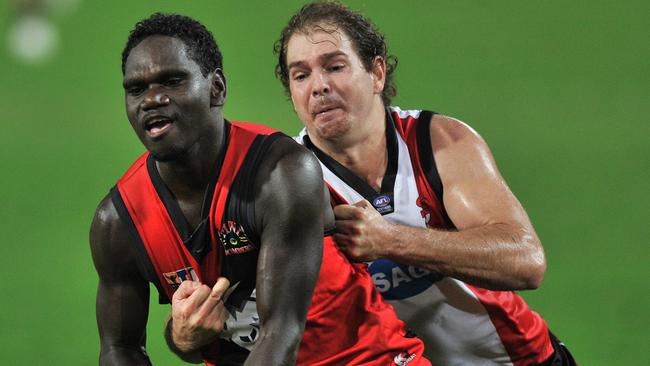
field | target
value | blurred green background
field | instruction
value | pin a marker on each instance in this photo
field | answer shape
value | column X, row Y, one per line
column 559, row 89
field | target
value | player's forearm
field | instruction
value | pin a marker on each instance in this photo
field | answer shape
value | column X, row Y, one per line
column 119, row 355
column 495, row 256
column 276, row 347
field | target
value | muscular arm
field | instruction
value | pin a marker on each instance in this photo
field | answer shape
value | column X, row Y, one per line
column 289, row 210
column 122, row 294
column 495, row 246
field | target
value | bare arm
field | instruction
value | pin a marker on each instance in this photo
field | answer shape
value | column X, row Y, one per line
column 122, row 294
column 289, row 210
column 495, row 246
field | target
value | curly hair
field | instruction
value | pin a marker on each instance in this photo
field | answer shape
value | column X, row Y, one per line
column 366, row 39
column 200, row 43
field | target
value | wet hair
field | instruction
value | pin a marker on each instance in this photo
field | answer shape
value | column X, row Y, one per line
column 367, row 41
column 200, row 43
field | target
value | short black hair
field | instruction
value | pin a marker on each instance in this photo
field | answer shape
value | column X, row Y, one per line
column 366, row 39
column 200, row 43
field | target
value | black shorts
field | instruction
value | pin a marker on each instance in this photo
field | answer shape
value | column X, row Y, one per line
column 561, row 356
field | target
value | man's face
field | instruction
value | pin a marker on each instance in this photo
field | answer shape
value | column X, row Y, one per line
column 167, row 97
column 331, row 90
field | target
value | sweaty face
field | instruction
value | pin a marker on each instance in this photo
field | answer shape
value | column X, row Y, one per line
column 167, row 97
column 332, row 92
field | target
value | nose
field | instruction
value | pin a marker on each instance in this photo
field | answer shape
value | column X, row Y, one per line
column 321, row 85
column 154, row 99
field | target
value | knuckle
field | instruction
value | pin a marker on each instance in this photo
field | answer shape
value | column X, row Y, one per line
column 355, row 229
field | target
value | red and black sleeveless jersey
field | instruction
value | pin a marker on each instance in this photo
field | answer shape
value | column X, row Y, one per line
column 225, row 242
column 347, row 323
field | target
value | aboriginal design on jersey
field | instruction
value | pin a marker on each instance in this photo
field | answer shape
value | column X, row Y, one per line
column 234, row 240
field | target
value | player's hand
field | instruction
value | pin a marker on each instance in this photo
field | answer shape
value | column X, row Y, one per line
column 198, row 314
column 361, row 231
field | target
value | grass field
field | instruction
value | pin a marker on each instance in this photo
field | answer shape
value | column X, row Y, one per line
column 560, row 90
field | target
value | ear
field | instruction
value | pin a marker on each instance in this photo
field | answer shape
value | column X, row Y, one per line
column 378, row 72
column 217, row 89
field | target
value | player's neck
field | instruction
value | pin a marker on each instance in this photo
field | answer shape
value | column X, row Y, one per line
column 190, row 174
column 364, row 153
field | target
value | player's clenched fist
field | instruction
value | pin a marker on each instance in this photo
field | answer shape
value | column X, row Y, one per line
column 198, row 314
column 361, row 231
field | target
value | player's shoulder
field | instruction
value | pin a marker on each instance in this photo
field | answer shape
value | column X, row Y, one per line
column 451, row 128
column 283, row 150
column 447, row 131
column 441, row 126
column 443, row 129
column 112, row 245
column 459, row 149
column 289, row 155
column 289, row 167
column 288, row 184
column 106, row 215
column 108, row 230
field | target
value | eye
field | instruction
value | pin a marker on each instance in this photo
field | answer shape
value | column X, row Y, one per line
column 173, row 81
column 336, row 67
column 299, row 76
column 135, row 90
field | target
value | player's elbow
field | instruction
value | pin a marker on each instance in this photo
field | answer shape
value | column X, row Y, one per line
column 535, row 265
column 535, row 278
column 278, row 345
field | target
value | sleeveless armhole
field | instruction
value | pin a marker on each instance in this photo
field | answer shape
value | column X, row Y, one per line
column 141, row 252
column 239, row 210
column 425, row 151
column 244, row 185
column 427, row 161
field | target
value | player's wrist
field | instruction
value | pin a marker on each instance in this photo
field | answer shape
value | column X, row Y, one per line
column 190, row 349
column 176, row 345
column 391, row 241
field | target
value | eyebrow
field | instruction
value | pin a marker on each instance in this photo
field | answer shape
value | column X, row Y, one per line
column 324, row 57
column 157, row 76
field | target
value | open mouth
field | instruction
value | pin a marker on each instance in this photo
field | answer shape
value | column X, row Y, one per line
column 157, row 127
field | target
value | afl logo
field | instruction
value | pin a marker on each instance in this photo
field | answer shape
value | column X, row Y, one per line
column 396, row 281
column 381, row 201
column 383, row 204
